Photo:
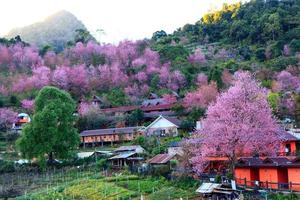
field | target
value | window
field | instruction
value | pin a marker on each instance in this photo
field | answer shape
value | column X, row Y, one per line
column 288, row 149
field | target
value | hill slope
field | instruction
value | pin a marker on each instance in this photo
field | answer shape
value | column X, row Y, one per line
column 56, row 30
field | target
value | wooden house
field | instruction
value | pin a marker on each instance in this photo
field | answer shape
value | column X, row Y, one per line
column 127, row 156
column 129, row 159
column 111, row 135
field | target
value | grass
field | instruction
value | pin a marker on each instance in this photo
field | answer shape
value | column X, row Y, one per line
column 111, row 188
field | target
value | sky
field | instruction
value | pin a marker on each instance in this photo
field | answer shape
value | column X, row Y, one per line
column 120, row 19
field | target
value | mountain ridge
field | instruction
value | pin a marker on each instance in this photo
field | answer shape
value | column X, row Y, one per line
column 55, row 30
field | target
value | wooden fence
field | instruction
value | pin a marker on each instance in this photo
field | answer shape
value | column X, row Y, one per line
column 244, row 183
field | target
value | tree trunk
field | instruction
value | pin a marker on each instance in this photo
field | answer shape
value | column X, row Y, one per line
column 232, row 161
column 50, row 157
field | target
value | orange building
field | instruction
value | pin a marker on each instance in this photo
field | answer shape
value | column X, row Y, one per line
column 271, row 173
column 111, row 135
column 290, row 144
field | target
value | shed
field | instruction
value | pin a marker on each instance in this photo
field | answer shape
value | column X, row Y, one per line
column 125, row 159
column 161, row 159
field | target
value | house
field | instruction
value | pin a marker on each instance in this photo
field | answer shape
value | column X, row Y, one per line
column 153, row 102
column 97, row 101
column 269, row 173
column 162, row 159
column 22, row 119
column 175, row 148
column 290, row 145
column 130, row 159
column 94, row 154
column 111, row 135
column 127, row 156
column 148, row 106
column 163, row 126
column 133, row 148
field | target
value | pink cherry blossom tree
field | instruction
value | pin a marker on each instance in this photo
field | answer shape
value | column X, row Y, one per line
column 202, row 97
column 169, row 98
column 7, row 118
column 287, row 81
column 85, row 108
column 240, row 123
column 227, row 78
column 27, row 104
column 197, row 57
column 201, row 79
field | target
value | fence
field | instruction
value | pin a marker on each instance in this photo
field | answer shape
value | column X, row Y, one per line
column 268, row 185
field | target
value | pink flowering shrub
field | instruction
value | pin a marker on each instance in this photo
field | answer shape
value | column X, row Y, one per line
column 27, row 104
column 7, row 118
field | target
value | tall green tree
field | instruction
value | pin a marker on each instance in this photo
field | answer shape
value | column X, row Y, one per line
column 51, row 131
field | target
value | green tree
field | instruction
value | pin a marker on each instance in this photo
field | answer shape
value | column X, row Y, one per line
column 135, row 118
column 273, row 100
column 117, row 97
column 215, row 74
column 51, row 131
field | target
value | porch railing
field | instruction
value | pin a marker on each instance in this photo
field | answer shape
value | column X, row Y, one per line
column 268, row 185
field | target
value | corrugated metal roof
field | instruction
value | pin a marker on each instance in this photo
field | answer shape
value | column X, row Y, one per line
column 84, row 154
column 122, row 155
column 153, row 102
column 128, row 148
column 161, row 158
column 206, row 188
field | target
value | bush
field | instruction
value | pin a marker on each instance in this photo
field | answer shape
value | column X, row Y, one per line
column 295, row 45
column 102, row 163
column 260, row 54
column 6, row 166
column 163, row 170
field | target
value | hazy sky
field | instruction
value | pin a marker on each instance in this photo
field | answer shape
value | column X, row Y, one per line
column 120, row 19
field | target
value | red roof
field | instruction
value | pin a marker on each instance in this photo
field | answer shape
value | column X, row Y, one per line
column 120, row 109
column 161, row 158
column 145, row 109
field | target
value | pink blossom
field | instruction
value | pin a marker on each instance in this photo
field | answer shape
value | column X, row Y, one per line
column 287, row 81
column 60, row 77
column 197, row 57
column 240, row 123
column 204, row 95
column 27, row 104
column 85, row 108
column 202, row 79
column 7, row 118
column 227, row 78
column 169, row 98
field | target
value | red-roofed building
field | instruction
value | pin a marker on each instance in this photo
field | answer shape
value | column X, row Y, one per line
column 270, row 173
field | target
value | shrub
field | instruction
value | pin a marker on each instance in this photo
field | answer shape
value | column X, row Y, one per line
column 295, row 45
column 163, row 170
column 102, row 163
column 260, row 54
column 6, row 166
